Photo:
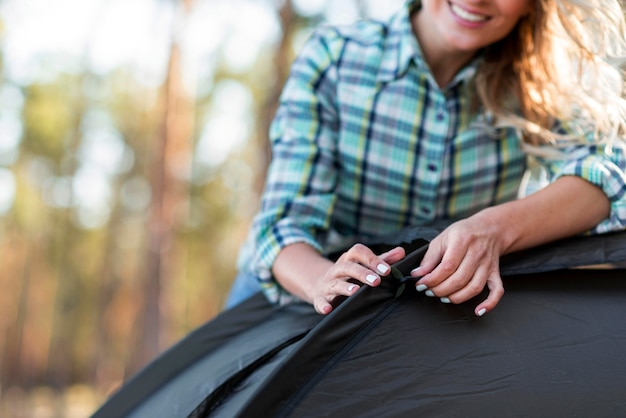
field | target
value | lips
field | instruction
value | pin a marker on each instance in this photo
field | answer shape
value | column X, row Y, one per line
column 467, row 15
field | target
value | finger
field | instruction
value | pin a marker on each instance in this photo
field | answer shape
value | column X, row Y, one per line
column 358, row 252
column 364, row 256
column 322, row 306
column 393, row 256
column 469, row 277
column 431, row 259
column 341, row 287
column 496, row 291
column 473, row 286
column 338, row 281
column 448, row 265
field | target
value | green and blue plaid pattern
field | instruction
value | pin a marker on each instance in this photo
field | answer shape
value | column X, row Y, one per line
column 364, row 143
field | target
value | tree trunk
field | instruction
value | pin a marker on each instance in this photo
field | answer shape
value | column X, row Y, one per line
column 10, row 366
column 282, row 65
column 169, row 199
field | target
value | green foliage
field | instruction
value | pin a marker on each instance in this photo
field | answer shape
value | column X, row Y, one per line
column 50, row 118
column 73, row 292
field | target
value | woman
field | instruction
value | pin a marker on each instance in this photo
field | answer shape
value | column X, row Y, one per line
column 431, row 116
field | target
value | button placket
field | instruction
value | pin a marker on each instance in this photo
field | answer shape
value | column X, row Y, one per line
column 433, row 150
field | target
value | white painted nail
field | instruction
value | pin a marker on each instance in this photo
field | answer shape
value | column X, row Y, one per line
column 429, row 293
column 382, row 269
column 444, row 300
column 482, row 312
column 371, row 278
column 421, row 287
column 351, row 287
column 416, row 271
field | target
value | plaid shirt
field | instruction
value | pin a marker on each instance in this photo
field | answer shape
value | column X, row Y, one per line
column 365, row 143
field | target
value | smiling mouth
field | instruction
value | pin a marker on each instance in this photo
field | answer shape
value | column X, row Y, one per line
column 468, row 16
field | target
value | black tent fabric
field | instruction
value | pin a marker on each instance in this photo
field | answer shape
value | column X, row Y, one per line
column 555, row 346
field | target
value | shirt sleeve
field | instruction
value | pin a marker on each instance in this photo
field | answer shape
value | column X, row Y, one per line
column 603, row 165
column 299, row 194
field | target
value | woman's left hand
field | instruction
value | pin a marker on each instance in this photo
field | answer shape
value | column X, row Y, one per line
column 465, row 257
column 461, row 261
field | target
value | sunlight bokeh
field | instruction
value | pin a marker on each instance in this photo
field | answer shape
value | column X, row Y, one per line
column 133, row 144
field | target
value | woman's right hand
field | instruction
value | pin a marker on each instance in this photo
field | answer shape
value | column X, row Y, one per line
column 357, row 266
column 305, row 273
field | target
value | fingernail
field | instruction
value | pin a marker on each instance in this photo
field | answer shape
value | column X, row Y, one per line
column 444, row 300
column 429, row 293
column 482, row 312
column 382, row 269
column 371, row 278
column 352, row 287
column 416, row 270
column 421, row 287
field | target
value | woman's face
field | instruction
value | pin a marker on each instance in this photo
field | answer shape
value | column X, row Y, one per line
column 469, row 25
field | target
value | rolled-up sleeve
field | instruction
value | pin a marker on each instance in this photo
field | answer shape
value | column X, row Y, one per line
column 299, row 194
column 603, row 166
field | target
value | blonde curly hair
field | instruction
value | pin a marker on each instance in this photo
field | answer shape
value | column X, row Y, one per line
column 564, row 62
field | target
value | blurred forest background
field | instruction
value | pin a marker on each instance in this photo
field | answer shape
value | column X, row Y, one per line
column 132, row 155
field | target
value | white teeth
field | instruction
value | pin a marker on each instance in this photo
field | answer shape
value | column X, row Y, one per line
column 465, row 15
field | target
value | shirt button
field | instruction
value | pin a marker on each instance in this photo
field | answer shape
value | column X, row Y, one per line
column 440, row 116
column 432, row 167
column 425, row 210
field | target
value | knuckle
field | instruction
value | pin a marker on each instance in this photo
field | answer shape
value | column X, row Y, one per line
column 335, row 287
column 343, row 257
column 358, row 248
column 354, row 253
column 475, row 288
column 447, row 267
column 340, row 269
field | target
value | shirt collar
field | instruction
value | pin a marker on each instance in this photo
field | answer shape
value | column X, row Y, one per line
column 401, row 48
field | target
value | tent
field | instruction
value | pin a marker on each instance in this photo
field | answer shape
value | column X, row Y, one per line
column 555, row 346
